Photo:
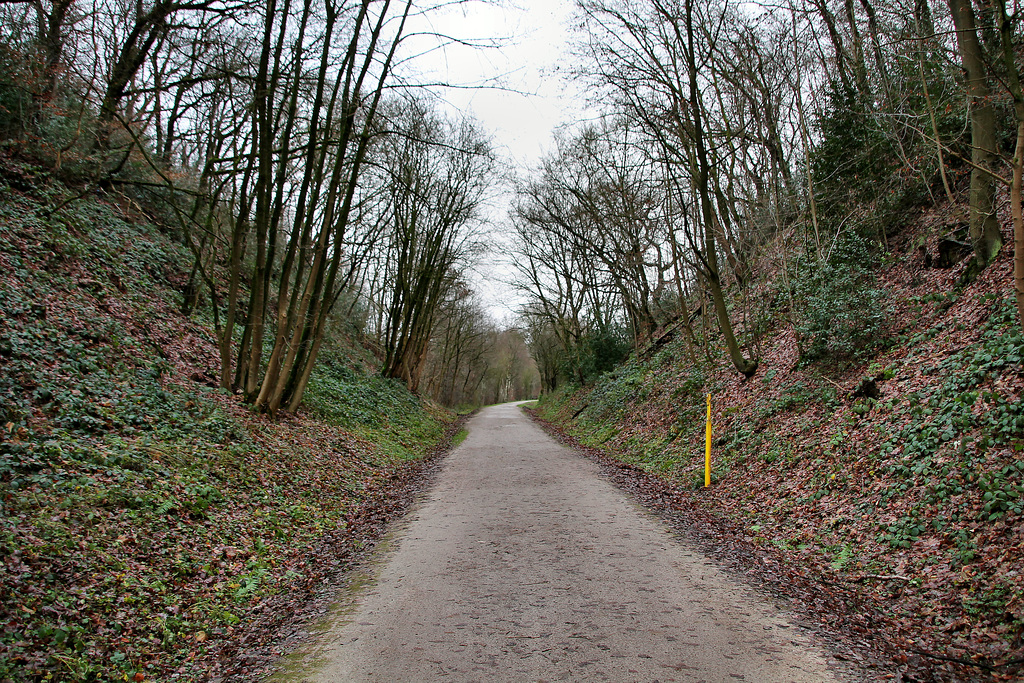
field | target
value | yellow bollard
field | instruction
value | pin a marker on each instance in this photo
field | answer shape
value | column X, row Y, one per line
column 707, row 449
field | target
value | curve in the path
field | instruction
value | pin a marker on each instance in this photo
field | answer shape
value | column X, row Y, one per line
column 524, row 564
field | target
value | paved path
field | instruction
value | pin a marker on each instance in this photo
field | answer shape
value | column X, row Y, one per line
column 524, row 564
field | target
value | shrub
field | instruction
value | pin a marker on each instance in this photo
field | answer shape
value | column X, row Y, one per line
column 596, row 353
column 869, row 170
column 604, row 350
column 841, row 312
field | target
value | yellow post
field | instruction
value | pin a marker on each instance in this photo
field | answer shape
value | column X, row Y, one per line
column 707, row 449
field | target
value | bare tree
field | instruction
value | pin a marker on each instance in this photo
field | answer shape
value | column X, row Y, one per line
column 436, row 176
column 646, row 52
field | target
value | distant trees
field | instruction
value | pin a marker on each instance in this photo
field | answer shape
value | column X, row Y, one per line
column 590, row 220
column 586, row 248
column 455, row 371
column 472, row 360
column 436, row 175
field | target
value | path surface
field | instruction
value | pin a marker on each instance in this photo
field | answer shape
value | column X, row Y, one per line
column 524, row 564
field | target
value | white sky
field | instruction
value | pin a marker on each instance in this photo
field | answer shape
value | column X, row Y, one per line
column 518, row 91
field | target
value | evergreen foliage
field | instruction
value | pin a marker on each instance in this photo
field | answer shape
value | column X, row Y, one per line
column 841, row 312
column 854, row 161
column 596, row 353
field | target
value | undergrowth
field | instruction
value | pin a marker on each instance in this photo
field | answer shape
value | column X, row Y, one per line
column 378, row 409
column 144, row 516
column 920, row 476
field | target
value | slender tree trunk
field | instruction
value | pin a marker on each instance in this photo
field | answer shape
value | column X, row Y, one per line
column 876, row 46
column 263, row 139
column 1018, row 223
column 860, row 68
column 837, row 43
column 239, row 230
column 146, row 29
column 300, row 230
column 1017, row 92
column 684, row 309
column 745, row 366
column 805, row 140
column 935, row 129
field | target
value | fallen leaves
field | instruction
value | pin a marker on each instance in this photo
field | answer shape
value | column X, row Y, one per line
column 896, row 519
column 152, row 528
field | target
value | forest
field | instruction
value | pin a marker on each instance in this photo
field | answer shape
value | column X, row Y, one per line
column 310, row 186
column 233, row 227
column 758, row 161
column 312, row 178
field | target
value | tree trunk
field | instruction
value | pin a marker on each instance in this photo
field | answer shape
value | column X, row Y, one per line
column 52, row 34
column 876, row 46
column 239, row 230
column 262, row 133
column 837, row 43
column 860, row 68
column 1013, row 79
column 984, row 228
column 684, row 309
column 935, row 126
column 147, row 28
column 745, row 366
column 1018, row 223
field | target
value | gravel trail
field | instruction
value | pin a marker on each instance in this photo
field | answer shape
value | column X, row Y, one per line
column 523, row 563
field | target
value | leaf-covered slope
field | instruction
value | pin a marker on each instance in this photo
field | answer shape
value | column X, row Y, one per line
column 908, row 467
column 148, row 522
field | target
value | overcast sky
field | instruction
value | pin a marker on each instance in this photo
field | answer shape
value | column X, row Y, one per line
column 518, row 92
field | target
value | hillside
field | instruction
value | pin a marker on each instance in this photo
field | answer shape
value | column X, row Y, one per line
column 152, row 527
column 884, row 496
